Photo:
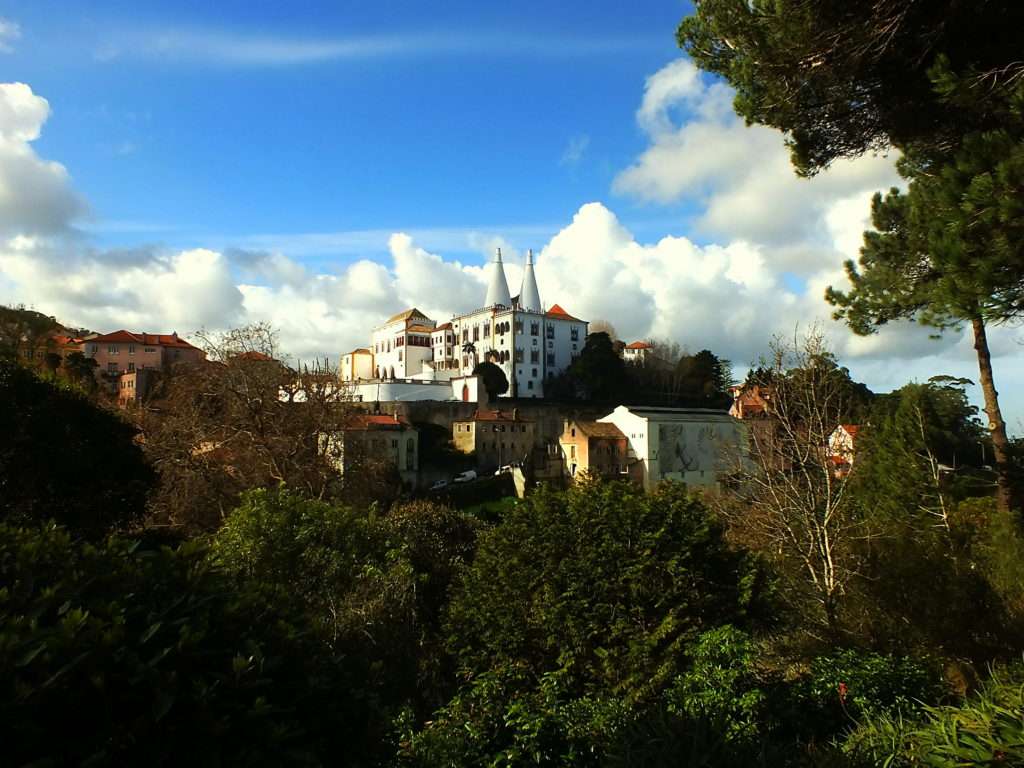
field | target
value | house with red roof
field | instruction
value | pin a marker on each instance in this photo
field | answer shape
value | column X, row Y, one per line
column 123, row 351
column 376, row 438
column 750, row 402
column 497, row 437
column 842, row 447
column 130, row 362
column 637, row 352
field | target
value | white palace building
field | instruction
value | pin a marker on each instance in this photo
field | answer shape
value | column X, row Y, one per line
column 530, row 343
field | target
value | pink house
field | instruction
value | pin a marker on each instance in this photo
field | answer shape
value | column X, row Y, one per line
column 124, row 351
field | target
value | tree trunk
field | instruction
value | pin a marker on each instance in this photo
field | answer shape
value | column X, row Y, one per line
column 1005, row 495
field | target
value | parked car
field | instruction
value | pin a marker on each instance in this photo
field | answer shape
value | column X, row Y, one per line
column 465, row 477
column 440, row 485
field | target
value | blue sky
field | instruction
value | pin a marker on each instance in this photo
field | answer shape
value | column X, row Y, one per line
column 202, row 122
column 320, row 166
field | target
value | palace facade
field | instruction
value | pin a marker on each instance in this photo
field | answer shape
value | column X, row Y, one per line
column 529, row 343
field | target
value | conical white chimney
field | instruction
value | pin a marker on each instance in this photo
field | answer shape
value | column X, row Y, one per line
column 497, row 285
column 529, row 295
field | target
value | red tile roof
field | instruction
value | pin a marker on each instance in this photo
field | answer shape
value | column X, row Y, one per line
column 599, row 429
column 146, row 339
column 851, row 429
column 444, row 327
column 557, row 311
column 419, row 329
column 639, row 345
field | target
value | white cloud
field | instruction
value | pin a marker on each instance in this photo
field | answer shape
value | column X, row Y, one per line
column 10, row 31
column 739, row 176
column 35, row 195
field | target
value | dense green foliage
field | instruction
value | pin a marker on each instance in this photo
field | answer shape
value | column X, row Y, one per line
column 372, row 587
column 602, row 584
column 986, row 729
column 126, row 654
column 62, row 457
column 921, row 449
column 577, row 613
column 495, row 381
column 668, row 377
column 598, row 373
column 704, row 380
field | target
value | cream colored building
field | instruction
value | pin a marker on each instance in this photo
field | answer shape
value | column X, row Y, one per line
column 357, row 365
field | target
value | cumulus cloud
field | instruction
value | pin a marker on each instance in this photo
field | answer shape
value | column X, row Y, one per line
column 35, row 195
column 740, row 176
column 741, row 184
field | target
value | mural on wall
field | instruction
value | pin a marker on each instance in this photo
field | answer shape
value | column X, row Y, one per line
column 692, row 447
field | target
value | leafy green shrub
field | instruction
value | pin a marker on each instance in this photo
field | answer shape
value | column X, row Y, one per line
column 65, row 458
column 852, row 684
column 721, row 685
column 986, row 729
column 602, row 582
column 296, row 549
column 371, row 587
column 115, row 654
column 578, row 611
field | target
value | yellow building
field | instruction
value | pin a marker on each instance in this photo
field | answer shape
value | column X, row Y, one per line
column 496, row 437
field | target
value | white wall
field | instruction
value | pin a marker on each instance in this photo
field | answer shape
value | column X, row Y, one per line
column 369, row 392
column 686, row 448
column 636, row 431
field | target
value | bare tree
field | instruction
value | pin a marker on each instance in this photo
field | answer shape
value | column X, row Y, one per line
column 241, row 419
column 666, row 351
column 787, row 499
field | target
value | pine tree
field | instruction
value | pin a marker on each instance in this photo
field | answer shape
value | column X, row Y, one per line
column 949, row 252
column 841, row 78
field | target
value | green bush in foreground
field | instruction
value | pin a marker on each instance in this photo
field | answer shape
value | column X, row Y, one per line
column 985, row 730
column 576, row 615
column 63, row 457
column 115, row 654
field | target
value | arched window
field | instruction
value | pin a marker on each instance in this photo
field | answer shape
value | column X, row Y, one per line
column 465, row 393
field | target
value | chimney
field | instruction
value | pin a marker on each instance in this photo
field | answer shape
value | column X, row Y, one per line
column 497, row 286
